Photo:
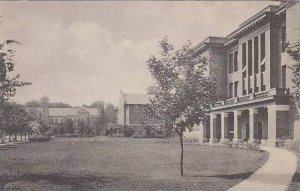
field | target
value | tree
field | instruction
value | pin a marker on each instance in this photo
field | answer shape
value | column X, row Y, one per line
column 8, row 82
column 15, row 120
column 185, row 94
column 42, row 127
column 36, row 104
column 69, row 125
column 82, row 127
column 33, row 104
column 97, row 104
column 111, row 113
column 294, row 52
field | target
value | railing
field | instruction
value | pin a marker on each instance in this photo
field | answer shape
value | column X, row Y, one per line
column 278, row 92
column 231, row 101
column 263, row 94
column 244, row 98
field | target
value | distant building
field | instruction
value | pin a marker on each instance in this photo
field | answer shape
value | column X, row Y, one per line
column 132, row 110
column 55, row 116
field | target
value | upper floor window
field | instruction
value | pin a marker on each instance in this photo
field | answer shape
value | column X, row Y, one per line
column 230, row 65
column 236, row 88
column 250, row 57
column 283, row 38
column 262, row 46
column 256, row 64
column 235, row 61
column 230, row 90
column 244, row 59
column 135, row 108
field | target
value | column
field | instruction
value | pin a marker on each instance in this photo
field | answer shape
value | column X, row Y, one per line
column 237, row 115
column 276, row 123
column 213, row 128
column 224, row 127
column 271, row 126
column 205, row 130
column 253, row 114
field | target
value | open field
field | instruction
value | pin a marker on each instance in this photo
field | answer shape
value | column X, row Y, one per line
column 124, row 164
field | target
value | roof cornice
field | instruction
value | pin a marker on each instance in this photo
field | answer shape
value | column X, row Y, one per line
column 253, row 21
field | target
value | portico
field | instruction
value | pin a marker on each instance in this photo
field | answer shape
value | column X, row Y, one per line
column 256, row 124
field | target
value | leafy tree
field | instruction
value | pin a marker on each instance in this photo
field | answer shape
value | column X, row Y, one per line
column 15, row 120
column 36, row 103
column 82, row 127
column 185, row 93
column 33, row 104
column 97, row 104
column 42, row 127
column 294, row 52
column 8, row 82
column 59, row 105
column 111, row 113
column 69, row 126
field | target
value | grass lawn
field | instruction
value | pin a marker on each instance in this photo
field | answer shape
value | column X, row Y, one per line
column 122, row 164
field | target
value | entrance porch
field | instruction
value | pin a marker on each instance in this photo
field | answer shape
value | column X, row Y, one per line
column 255, row 124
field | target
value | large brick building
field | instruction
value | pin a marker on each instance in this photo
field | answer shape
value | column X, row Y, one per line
column 252, row 66
column 132, row 113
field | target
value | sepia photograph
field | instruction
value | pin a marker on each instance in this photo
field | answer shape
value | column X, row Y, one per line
column 150, row 95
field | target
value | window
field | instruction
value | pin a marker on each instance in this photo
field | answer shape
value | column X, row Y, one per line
column 283, row 76
column 262, row 46
column 244, row 54
column 236, row 88
column 263, row 67
column 263, row 87
column 135, row 108
column 283, row 38
column 235, row 61
column 256, row 55
column 230, row 66
column 230, row 89
column 250, row 57
column 244, row 85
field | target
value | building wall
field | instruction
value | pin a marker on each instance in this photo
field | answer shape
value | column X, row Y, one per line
column 218, row 68
column 136, row 115
column 292, row 35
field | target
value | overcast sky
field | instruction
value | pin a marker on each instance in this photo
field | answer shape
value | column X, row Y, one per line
column 80, row 52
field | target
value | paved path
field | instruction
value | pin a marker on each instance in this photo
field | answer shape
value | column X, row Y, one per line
column 275, row 175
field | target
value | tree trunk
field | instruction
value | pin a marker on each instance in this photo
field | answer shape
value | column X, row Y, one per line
column 181, row 155
column 21, row 136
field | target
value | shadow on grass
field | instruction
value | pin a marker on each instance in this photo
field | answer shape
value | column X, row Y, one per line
column 296, row 177
column 227, row 176
column 76, row 182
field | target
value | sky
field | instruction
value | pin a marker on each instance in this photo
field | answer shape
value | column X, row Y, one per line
column 84, row 51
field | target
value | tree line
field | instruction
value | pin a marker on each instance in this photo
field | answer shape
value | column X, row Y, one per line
column 13, row 117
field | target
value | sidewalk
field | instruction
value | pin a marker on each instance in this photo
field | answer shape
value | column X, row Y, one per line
column 275, row 175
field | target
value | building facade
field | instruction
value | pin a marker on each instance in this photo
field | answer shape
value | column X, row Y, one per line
column 252, row 67
column 132, row 111
column 56, row 116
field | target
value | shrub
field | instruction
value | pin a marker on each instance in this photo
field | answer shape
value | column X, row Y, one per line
column 39, row 138
column 128, row 132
